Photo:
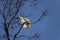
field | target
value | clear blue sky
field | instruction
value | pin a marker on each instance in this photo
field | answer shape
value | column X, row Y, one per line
column 49, row 26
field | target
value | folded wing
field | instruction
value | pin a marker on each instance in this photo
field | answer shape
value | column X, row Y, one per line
column 28, row 22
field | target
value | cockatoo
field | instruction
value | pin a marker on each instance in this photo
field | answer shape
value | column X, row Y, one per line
column 25, row 22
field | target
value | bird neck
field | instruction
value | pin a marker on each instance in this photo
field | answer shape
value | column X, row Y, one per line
column 22, row 18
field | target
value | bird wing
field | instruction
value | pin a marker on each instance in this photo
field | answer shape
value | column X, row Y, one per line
column 27, row 20
column 22, row 21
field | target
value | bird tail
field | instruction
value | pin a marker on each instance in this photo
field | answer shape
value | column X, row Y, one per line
column 29, row 26
column 24, row 26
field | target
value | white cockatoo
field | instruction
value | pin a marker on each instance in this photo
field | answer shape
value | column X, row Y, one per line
column 25, row 22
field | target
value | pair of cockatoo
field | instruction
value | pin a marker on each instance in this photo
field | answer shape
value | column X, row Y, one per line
column 25, row 22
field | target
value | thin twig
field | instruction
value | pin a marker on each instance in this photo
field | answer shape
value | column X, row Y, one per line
column 17, row 33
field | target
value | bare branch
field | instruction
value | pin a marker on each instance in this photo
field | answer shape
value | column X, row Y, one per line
column 29, row 37
column 5, row 28
column 17, row 10
column 7, row 33
column 17, row 32
column 1, row 13
column 43, row 14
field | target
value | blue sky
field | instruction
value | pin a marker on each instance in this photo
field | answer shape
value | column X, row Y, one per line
column 52, row 28
column 49, row 26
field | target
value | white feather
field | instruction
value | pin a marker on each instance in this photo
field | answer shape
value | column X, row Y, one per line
column 26, row 20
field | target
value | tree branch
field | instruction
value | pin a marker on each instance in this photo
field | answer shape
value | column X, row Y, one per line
column 29, row 37
column 1, row 13
column 17, row 10
column 43, row 14
column 17, row 33
column 5, row 28
column 7, row 33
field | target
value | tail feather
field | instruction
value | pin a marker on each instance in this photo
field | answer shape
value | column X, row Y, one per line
column 29, row 26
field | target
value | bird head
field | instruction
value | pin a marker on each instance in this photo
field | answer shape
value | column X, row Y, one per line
column 20, row 17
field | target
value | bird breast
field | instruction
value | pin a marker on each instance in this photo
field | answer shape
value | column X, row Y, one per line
column 22, row 21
